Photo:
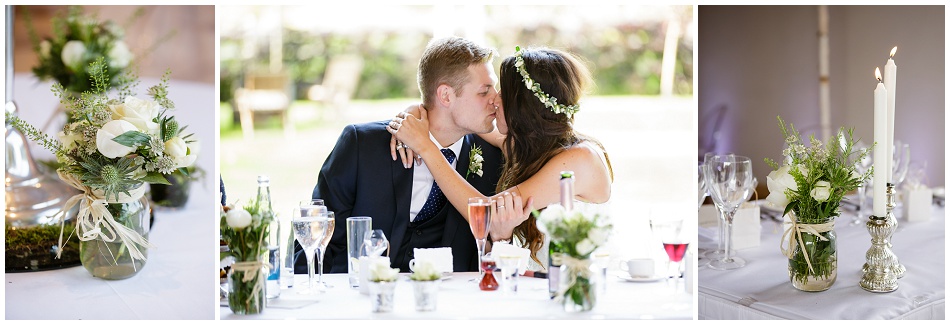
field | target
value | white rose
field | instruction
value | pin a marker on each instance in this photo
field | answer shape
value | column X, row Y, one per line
column 190, row 157
column 109, row 147
column 176, row 147
column 238, row 218
column 778, row 181
column 379, row 270
column 119, row 55
column 72, row 55
column 598, row 236
column 821, row 191
column 138, row 112
column 44, row 49
column 585, row 246
column 478, row 158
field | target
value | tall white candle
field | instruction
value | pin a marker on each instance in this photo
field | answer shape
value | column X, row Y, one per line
column 890, row 83
column 880, row 138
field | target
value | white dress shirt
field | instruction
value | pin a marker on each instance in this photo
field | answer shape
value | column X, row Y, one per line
column 422, row 179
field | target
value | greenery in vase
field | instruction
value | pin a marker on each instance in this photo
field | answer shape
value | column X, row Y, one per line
column 812, row 181
column 115, row 145
column 78, row 40
column 245, row 231
column 577, row 234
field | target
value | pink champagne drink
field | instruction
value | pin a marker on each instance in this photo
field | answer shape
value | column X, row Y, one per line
column 675, row 251
column 479, row 219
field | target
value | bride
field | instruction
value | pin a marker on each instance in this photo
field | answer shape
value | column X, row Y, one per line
column 540, row 91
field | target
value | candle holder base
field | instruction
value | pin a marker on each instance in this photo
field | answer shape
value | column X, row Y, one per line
column 877, row 271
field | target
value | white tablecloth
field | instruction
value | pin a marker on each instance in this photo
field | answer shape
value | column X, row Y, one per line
column 761, row 289
column 459, row 298
column 179, row 279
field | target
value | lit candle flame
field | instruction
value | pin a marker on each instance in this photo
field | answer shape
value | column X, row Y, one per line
column 877, row 73
column 893, row 51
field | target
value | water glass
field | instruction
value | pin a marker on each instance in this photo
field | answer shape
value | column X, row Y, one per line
column 509, row 270
column 356, row 228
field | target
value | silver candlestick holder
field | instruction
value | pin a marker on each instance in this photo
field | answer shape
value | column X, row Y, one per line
column 879, row 270
column 897, row 268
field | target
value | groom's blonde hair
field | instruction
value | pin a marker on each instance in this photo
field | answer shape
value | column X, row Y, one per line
column 446, row 61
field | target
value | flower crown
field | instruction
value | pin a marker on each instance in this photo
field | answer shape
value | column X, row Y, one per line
column 549, row 101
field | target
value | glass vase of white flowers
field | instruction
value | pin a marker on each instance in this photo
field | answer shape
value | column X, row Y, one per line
column 578, row 233
column 246, row 231
column 113, row 147
column 809, row 186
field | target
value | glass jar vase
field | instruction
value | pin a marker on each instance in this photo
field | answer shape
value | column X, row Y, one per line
column 112, row 260
column 822, row 254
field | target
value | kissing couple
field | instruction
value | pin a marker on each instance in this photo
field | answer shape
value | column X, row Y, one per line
column 413, row 175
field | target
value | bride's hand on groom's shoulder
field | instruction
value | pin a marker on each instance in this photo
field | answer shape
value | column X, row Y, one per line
column 396, row 148
column 509, row 211
column 411, row 131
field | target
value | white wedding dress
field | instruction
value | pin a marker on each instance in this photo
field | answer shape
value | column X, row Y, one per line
column 602, row 208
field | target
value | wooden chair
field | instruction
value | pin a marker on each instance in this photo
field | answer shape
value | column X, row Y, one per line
column 266, row 93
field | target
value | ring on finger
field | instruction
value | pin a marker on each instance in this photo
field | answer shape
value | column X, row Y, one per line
column 501, row 206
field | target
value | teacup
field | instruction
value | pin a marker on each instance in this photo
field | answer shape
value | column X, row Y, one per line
column 639, row 267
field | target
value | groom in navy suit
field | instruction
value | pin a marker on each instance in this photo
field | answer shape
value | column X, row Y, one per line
column 360, row 178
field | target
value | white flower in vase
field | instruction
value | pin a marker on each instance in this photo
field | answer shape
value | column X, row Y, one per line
column 109, row 147
column 119, row 55
column 778, row 181
column 237, row 219
column 72, row 54
column 821, row 191
column 139, row 112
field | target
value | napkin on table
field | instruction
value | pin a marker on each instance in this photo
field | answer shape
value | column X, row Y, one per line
column 499, row 249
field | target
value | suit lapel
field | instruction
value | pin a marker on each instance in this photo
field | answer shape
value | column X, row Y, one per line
column 402, row 192
column 452, row 220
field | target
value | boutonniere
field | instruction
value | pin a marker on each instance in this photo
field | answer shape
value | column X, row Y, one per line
column 475, row 161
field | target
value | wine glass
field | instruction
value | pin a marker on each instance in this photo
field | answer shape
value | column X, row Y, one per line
column 719, row 252
column 901, row 162
column 702, row 186
column 376, row 243
column 670, row 233
column 322, row 248
column 309, row 230
column 729, row 180
column 861, row 167
column 312, row 202
column 479, row 219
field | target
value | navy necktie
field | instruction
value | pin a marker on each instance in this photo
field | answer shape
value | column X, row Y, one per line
column 436, row 199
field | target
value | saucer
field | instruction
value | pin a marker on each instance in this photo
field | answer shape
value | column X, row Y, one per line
column 628, row 278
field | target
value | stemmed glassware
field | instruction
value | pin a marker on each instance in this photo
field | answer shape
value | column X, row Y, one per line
column 670, row 233
column 311, row 226
column 729, row 180
column 479, row 219
column 702, row 186
column 719, row 252
column 861, row 166
column 376, row 243
column 322, row 249
column 901, row 162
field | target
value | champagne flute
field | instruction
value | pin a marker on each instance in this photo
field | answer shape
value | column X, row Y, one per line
column 479, row 219
column 309, row 232
column 861, row 166
column 702, row 186
column 729, row 179
column 322, row 248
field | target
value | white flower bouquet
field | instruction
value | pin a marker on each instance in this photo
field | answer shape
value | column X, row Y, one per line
column 575, row 234
column 809, row 186
column 76, row 42
column 245, row 231
column 110, row 150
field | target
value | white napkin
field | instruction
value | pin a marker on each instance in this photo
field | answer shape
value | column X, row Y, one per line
column 506, row 249
column 441, row 257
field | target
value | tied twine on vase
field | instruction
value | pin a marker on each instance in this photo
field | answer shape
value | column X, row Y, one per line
column 814, row 229
column 577, row 268
column 251, row 270
column 95, row 221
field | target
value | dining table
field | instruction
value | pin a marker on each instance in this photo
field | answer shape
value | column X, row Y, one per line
column 762, row 290
column 178, row 280
column 459, row 298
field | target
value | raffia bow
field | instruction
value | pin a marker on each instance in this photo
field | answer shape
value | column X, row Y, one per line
column 94, row 220
column 575, row 268
column 251, row 270
column 797, row 228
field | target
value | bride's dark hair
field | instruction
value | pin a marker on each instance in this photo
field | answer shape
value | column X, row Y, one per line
column 535, row 133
